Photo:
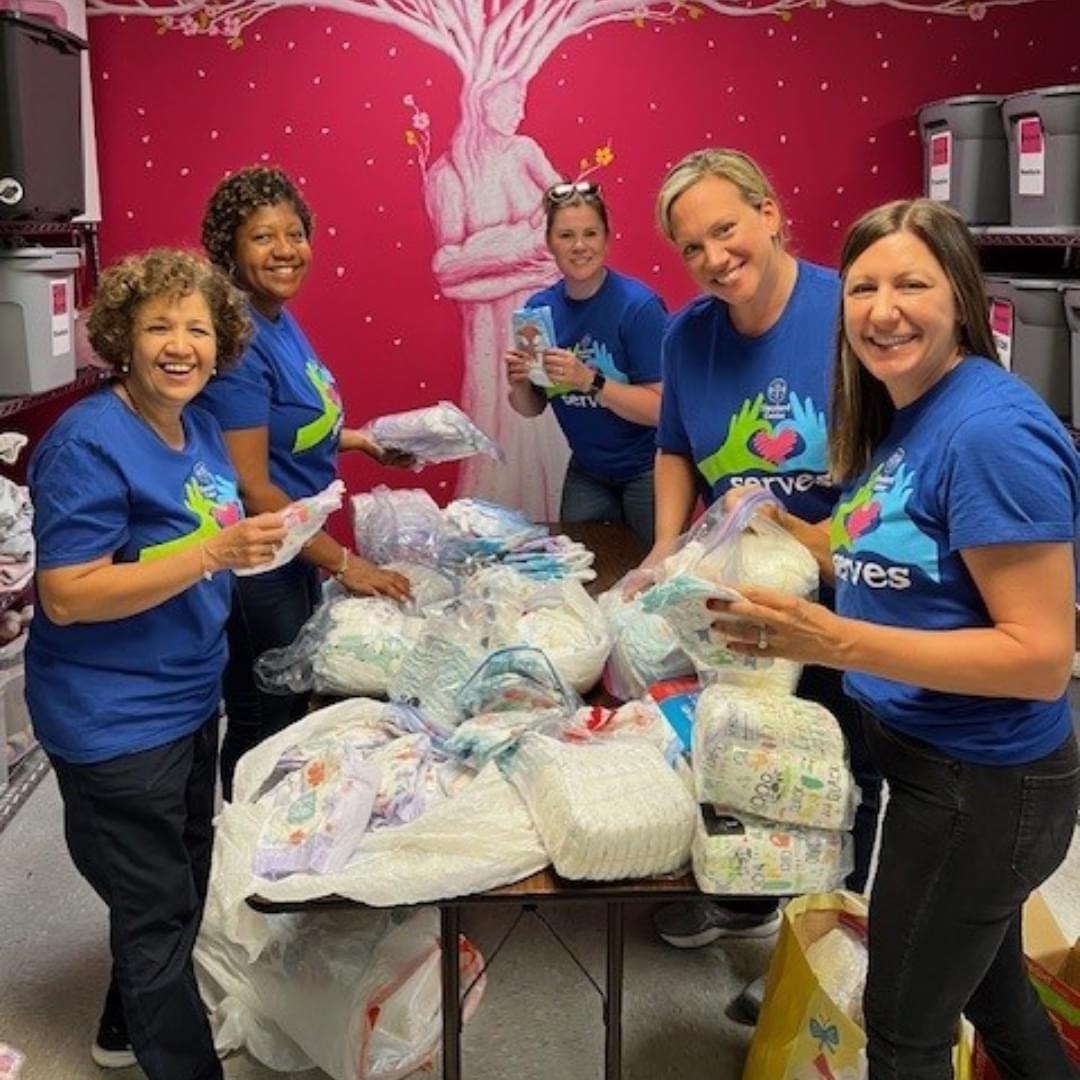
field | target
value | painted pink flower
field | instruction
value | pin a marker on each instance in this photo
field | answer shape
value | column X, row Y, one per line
column 976, row 11
column 421, row 121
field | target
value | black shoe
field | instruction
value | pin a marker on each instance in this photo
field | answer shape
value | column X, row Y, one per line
column 112, row 1048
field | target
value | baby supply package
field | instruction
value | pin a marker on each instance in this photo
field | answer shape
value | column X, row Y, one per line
column 775, row 756
column 534, row 331
column 302, row 519
column 737, row 853
column 723, row 550
column 605, row 809
column 403, row 524
column 432, row 435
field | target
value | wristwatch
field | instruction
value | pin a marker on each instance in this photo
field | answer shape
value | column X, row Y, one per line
column 599, row 381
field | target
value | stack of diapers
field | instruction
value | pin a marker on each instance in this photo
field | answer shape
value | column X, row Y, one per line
column 605, row 810
column 739, row 853
column 779, row 797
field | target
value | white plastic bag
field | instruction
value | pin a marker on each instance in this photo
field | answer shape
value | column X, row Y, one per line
column 354, row 993
column 403, row 524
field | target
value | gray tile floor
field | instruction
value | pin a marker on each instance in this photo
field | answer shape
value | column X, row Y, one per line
column 539, row 1019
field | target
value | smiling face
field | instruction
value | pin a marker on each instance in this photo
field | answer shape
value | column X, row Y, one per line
column 578, row 239
column 272, row 256
column 730, row 248
column 900, row 316
column 173, row 350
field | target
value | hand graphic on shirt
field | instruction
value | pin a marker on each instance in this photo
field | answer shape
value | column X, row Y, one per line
column 735, row 456
column 808, row 423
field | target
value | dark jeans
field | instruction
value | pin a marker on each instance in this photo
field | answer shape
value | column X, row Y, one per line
column 138, row 828
column 268, row 611
column 824, row 686
column 962, row 846
column 587, row 497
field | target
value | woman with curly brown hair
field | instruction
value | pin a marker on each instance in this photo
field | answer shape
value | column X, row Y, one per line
column 136, row 515
column 283, row 422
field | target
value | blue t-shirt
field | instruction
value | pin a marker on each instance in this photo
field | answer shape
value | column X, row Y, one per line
column 751, row 410
column 281, row 385
column 104, row 484
column 977, row 460
column 618, row 330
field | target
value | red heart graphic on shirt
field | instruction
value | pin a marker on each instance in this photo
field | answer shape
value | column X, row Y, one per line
column 774, row 448
column 863, row 520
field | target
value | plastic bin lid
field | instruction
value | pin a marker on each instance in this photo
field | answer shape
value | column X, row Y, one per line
column 1039, row 283
column 27, row 258
column 965, row 99
column 1047, row 91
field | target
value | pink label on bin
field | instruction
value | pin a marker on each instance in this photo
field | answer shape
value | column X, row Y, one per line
column 59, row 298
column 1001, row 316
column 1031, row 135
column 939, row 148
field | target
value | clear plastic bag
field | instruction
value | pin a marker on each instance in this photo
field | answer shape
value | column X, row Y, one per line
column 351, row 645
column 433, row 434
column 774, row 756
column 644, row 649
column 840, row 960
column 404, row 525
column 516, row 679
column 303, row 519
column 723, row 550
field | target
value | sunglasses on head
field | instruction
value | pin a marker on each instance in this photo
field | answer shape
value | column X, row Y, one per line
column 558, row 193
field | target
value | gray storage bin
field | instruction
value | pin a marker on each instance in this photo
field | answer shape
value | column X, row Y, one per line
column 1046, row 196
column 1072, row 317
column 1028, row 319
column 37, row 305
column 965, row 157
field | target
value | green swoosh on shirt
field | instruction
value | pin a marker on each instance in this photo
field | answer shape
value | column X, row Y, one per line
column 203, row 509
column 312, row 434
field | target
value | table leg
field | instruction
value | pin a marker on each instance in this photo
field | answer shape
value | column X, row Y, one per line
column 613, row 1003
column 450, row 921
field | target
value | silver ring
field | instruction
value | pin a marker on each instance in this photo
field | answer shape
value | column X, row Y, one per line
column 763, row 637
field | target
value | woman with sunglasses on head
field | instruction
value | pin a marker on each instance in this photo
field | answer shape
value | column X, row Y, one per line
column 746, row 375
column 283, row 422
column 953, row 551
column 605, row 371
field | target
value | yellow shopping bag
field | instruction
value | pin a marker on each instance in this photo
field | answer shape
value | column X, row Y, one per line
column 801, row 1034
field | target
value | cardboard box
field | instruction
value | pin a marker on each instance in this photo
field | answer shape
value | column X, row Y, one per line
column 1054, row 968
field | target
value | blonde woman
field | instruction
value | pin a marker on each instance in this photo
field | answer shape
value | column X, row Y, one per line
column 746, row 375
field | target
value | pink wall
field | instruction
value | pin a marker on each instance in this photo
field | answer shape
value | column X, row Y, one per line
column 823, row 97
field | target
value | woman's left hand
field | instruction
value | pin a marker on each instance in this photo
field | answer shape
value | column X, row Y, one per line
column 565, row 369
column 770, row 623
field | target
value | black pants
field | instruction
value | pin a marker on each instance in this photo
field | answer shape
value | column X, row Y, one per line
column 962, row 846
column 268, row 611
column 138, row 828
column 824, row 686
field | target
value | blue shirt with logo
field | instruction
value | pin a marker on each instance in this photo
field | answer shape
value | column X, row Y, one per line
column 979, row 459
column 618, row 330
column 751, row 410
column 281, row 385
column 104, row 484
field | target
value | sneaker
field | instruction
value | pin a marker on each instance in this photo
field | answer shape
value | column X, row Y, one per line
column 112, row 1049
column 700, row 922
column 746, row 1008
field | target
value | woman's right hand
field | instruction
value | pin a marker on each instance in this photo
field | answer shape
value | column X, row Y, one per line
column 517, row 366
column 249, row 543
column 363, row 578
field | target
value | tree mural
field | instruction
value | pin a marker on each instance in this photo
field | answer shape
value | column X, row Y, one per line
column 483, row 193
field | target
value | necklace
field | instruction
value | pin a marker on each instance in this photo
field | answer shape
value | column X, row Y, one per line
column 176, row 443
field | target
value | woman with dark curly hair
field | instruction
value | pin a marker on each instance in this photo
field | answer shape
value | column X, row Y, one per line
column 283, row 423
column 136, row 515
